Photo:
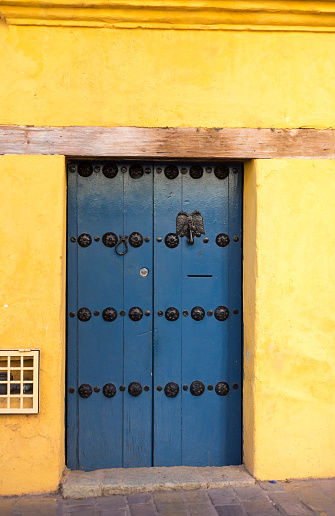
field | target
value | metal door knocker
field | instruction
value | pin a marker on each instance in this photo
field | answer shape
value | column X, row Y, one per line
column 189, row 225
column 122, row 240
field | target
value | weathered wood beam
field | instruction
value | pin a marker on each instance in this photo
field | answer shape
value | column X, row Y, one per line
column 184, row 142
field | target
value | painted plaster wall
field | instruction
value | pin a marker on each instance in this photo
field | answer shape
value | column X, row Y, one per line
column 289, row 354
column 32, row 261
column 72, row 76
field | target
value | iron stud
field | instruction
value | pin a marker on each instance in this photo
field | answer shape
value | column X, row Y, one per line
column 73, row 239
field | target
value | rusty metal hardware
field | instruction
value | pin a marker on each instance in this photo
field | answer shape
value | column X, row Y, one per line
column 96, row 313
column 222, row 388
column 235, row 386
column 122, row 240
column 84, row 314
column 109, row 314
column 135, row 389
column 122, row 388
column 85, row 390
column 197, row 313
column 160, row 313
column 96, row 388
column 221, row 313
column 209, row 313
column 136, row 171
column 222, row 240
column 210, row 387
column 85, row 169
column 146, row 388
column 206, row 240
column 96, row 239
column 159, row 388
column 71, row 390
column 236, row 239
column 136, row 239
column 110, row 171
column 84, row 240
column 185, row 387
column 171, row 240
column 221, row 171
column 171, row 172
column 171, row 313
column 197, row 388
column 122, row 313
column 109, row 239
column 73, row 239
column 196, row 171
column 235, row 311
column 72, row 314
column 109, row 390
column 135, row 313
column 171, row 389
column 190, row 225
column 147, row 239
column 185, row 313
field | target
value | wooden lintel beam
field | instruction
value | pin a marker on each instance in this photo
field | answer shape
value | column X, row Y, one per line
column 183, row 142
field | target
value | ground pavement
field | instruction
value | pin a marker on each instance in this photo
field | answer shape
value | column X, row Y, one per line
column 295, row 498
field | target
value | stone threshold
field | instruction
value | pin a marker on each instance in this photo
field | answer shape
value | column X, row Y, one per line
column 105, row 482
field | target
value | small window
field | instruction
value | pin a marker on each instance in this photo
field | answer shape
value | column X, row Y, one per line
column 19, row 381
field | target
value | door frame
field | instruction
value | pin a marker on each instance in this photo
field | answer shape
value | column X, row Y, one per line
column 150, row 159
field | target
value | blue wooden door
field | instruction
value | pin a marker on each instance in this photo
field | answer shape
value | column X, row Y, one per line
column 154, row 319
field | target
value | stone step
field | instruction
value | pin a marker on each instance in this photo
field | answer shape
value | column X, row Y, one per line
column 104, row 482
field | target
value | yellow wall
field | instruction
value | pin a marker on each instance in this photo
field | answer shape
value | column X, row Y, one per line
column 32, row 263
column 289, row 318
column 72, row 76
column 80, row 76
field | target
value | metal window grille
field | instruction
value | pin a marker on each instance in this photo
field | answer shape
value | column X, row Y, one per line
column 19, row 381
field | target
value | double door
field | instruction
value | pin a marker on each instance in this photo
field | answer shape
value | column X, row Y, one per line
column 153, row 314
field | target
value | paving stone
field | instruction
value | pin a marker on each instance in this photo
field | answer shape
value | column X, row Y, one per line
column 202, row 509
column 268, row 486
column 253, row 493
column 293, row 509
column 40, row 506
column 225, row 496
column 216, row 477
column 139, row 498
column 230, row 510
column 282, row 496
column 259, row 508
column 194, row 497
column 112, row 502
column 115, row 512
column 143, row 509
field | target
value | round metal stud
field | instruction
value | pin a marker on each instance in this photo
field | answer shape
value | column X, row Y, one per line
column 236, row 239
column 171, row 172
column 110, row 239
column 147, row 239
column 159, row 388
column 85, row 390
column 73, row 239
column 85, row 169
column 208, row 170
column 171, row 240
column 235, row 386
column 110, row 171
column 84, row 314
column 171, row 313
column 122, row 388
column 171, row 390
column 71, row 390
column 96, row 388
column 72, row 169
column 96, row 239
column 146, row 388
column 159, row 239
column 158, row 170
column 235, row 170
column 147, row 313
column 221, row 313
column 122, row 313
column 144, row 272
column 235, row 311
column 209, row 313
column 222, row 388
column 197, row 313
column 136, row 171
column 222, row 240
column 123, row 170
column 197, row 388
column 206, row 240
column 72, row 314
column 221, row 171
column 97, row 170
column 184, row 171
column 160, row 313
column 196, row 172
column 185, row 313
column 135, row 239
column 84, row 240
column 109, row 390
column 135, row 313
column 135, row 389
column 210, row 387
column 185, row 387
column 147, row 170
column 109, row 314
column 96, row 313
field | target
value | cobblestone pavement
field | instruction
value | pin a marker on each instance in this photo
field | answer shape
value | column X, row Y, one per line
column 295, row 498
